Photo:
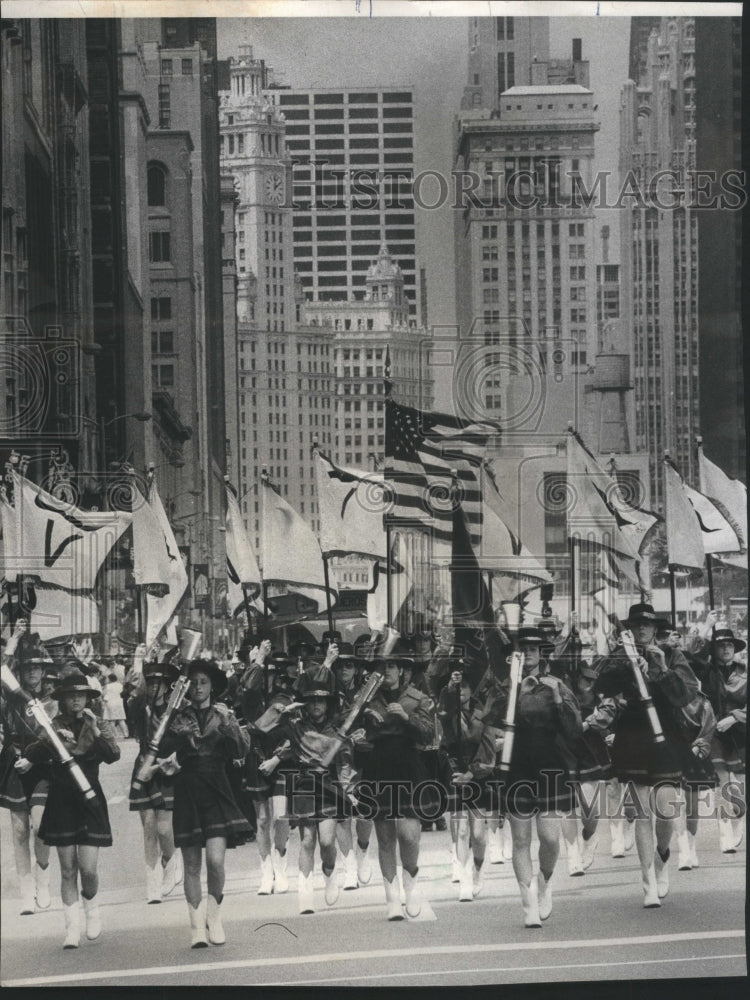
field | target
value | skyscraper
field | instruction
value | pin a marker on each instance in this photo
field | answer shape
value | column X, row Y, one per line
column 353, row 165
column 659, row 248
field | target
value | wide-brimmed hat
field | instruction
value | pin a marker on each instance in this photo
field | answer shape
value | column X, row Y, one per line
column 280, row 661
column 75, row 683
column 531, row 636
column 316, row 683
column 302, row 648
column 166, row 672
column 211, row 668
column 727, row 635
column 644, row 614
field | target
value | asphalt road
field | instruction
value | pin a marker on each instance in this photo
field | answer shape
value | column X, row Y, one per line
column 598, row 930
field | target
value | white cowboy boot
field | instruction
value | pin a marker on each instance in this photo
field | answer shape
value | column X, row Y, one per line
column 93, row 918
column 392, row 900
column 455, row 866
column 72, row 915
column 589, row 851
column 727, row 838
column 197, row 916
column 213, row 920
column 364, row 868
column 693, row 853
column 530, row 902
column 41, row 887
column 466, row 885
column 617, row 835
column 650, row 889
column 331, row 887
column 305, row 893
column 280, row 881
column 575, row 861
column 507, row 839
column 154, row 880
column 476, row 878
column 684, row 864
column 28, row 896
column 495, row 847
column 171, row 874
column 629, row 835
column 544, row 896
column 412, row 901
column 350, row 871
column 266, row 876
column 661, row 867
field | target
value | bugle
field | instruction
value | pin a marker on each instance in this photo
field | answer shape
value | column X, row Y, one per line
column 628, row 644
column 509, row 725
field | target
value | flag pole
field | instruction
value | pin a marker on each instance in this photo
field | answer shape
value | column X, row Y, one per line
column 710, row 574
column 388, row 580
column 673, row 595
column 387, row 388
column 324, row 557
column 573, row 551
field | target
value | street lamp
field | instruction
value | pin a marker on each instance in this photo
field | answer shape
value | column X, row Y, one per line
column 139, row 415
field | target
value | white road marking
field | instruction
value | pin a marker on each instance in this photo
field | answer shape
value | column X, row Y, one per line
column 501, row 968
column 389, row 954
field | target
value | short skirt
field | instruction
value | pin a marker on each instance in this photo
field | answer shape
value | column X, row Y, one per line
column 69, row 818
column 728, row 748
column 637, row 757
column 539, row 780
column 592, row 760
column 697, row 772
column 157, row 793
column 313, row 795
column 21, row 792
column 204, row 807
column 396, row 783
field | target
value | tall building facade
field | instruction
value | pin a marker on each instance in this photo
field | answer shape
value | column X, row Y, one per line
column 718, row 132
column 353, row 155
column 659, row 249
column 366, row 333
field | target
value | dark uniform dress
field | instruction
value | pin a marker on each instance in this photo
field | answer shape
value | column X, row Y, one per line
column 206, row 741
column 726, row 689
column 19, row 792
column 158, row 791
column 68, row 818
column 540, row 779
column 698, row 723
column 636, row 756
column 474, row 752
column 396, row 756
column 314, row 791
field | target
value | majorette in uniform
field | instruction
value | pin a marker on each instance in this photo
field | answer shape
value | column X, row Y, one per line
column 153, row 800
column 77, row 828
column 203, row 739
column 25, row 793
column 539, row 784
column 649, row 767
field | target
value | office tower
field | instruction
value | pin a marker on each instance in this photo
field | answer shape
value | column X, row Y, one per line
column 659, row 249
column 353, row 165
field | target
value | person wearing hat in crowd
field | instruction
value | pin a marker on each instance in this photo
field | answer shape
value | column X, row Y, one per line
column 315, row 790
column 262, row 710
column 154, row 799
column 24, row 792
column 652, row 770
column 471, row 756
column 723, row 678
column 74, row 826
column 350, row 674
column 399, row 723
column 547, row 718
column 203, row 739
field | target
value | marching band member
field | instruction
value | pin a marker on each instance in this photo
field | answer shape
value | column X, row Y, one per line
column 539, row 782
column 203, row 739
column 154, row 800
column 314, row 789
column 651, row 769
column 349, row 672
column 261, row 711
column 69, row 823
column 399, row 722
column 723, row 679
column 698, row 722
column 24, row 792
column 472, row 758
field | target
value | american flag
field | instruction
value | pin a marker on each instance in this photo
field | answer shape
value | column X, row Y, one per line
column 424, row 452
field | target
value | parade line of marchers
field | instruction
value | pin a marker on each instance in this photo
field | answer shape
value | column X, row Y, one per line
column 646, row 737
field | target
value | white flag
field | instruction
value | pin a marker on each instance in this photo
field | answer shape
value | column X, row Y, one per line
column 159, row 610
column 291, row 553
column 243, row 574
column 150, row 564
column 351, row 505
column 59, row 543
column 12, row 564
column 60, row 612
column 501, row 551
column 717, row 533
column 684, row 542
column 729, row 495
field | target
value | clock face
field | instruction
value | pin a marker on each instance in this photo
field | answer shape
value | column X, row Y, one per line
column 275, row 188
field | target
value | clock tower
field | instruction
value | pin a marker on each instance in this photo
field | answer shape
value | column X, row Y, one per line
column 253, row 150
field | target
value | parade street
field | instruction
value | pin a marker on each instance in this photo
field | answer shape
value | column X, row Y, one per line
column 598, row 930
